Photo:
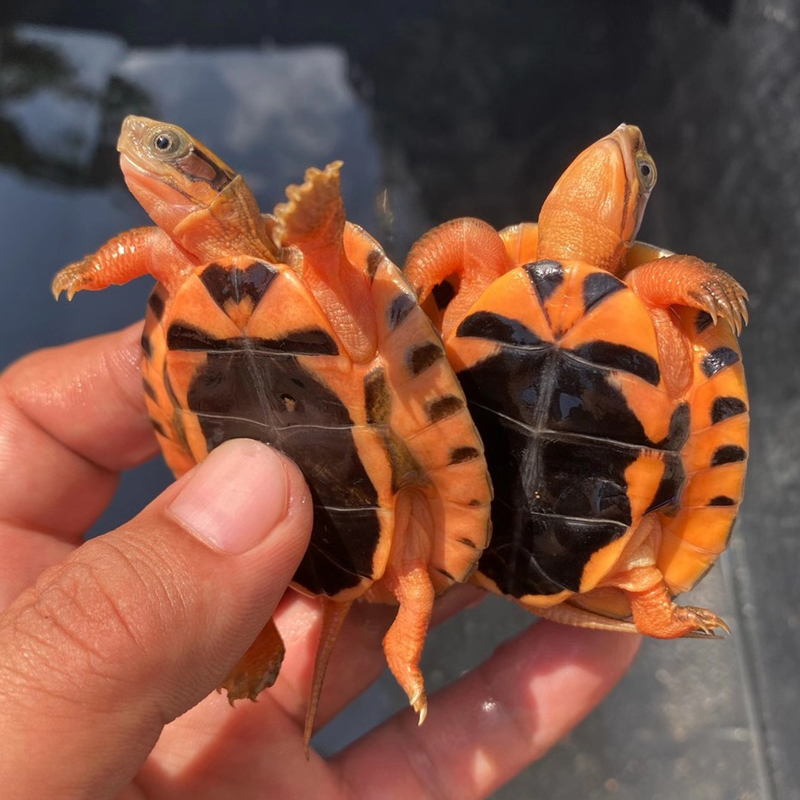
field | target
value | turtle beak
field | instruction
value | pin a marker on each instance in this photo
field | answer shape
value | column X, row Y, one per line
column 132, row 133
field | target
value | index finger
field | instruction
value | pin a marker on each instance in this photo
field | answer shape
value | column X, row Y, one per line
column 71, row 418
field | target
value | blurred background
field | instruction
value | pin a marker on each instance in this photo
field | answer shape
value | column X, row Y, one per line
column 439, row 110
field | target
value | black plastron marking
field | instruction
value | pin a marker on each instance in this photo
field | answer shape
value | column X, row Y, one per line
column 599, row 286
column 341, row 551
column 622, row 357
column 559, row 497
column 400, row 307
column 497, row 328
column 422, row 356
column 728, row 454
column 718, row 359
column 546, row 277
column 725, row 407
column 247, row 391
column 312, row 341
column 234, row 284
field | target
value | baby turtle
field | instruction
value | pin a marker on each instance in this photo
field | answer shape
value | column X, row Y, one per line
column 607, row 384
column 298, row 331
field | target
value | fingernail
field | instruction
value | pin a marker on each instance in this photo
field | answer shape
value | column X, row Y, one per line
column 235, row 497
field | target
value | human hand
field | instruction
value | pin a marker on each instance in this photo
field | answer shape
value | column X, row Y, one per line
column 110, row 650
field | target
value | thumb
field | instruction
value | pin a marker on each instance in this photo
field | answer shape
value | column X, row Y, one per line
column 136, row 627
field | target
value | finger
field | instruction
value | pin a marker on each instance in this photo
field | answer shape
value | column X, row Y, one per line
column 71, row 417
column 26, row 554
column 486, row 727
column 137, row 626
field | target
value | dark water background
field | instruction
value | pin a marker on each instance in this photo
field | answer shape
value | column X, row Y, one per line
column 469, row 107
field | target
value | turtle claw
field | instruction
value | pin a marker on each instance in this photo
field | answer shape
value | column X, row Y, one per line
column 704, row 623
column 419, row 702
column 73, row 278
column 723, row 298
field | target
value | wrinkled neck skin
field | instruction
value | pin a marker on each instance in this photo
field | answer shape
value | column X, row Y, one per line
column 231, row 224
column 594, row 211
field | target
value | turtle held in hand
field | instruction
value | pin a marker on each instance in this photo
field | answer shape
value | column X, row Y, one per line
column 606, row 381
column 297, row 330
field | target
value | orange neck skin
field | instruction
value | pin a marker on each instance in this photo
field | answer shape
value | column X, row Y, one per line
column 595, row 209
column 207, row 224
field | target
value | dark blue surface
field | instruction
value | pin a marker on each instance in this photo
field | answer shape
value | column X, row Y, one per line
column 463, row 109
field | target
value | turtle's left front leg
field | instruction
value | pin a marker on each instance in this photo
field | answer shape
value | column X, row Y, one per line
column 688, row 281
column 685, row 281
column 131, row 254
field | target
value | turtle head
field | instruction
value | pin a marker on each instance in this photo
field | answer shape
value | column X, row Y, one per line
column 595, row 209
column 190, row 193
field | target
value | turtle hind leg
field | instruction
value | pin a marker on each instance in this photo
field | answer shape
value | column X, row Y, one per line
column 655, row 613
column 405, row 639
column 258, row 668
column 407, row 579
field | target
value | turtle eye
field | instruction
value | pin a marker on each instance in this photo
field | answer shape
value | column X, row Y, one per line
column 646, row 168
column 168, row 143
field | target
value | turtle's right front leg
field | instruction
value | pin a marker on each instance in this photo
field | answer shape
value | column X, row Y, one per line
column 123, row 258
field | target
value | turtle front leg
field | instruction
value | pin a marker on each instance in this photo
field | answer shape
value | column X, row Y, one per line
column 123, row 258
column 685, row 281
column 688, row 281
column 655, row 613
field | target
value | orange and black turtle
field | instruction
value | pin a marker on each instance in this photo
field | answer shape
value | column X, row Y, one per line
column 606, row 382
column 297, row 330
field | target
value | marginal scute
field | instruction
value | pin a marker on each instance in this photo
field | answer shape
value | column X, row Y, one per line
column 156, row 302
column 374, row 260
column 460, row 454
column 377, row 398
column 728, row 454
column 399, row 309
column 443, row 407
column 420, row 357
column 702, row 321
column 718, row 359
column 722, row 500
column 725, row 407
